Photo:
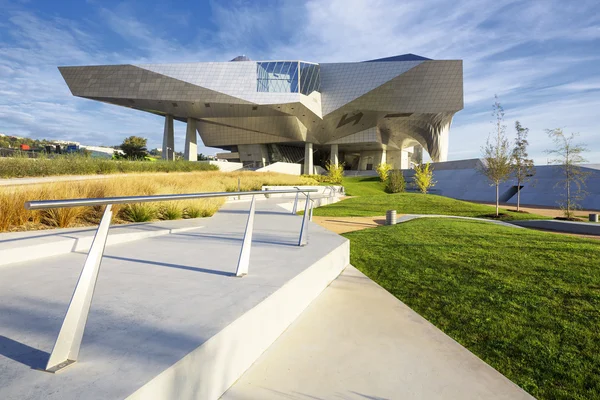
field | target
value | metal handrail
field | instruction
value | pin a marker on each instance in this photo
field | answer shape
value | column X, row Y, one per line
column 68, row 343
column 45, row 204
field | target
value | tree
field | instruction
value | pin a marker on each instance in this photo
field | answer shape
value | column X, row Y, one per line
column 568, row 156
column 496, row 153
column 424, row 177
column 134, row 147
column 522, row 166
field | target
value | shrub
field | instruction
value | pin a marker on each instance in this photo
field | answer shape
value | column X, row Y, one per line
column 62, row 217
column 318, row 178
column 395, row 182
column 193, row 212
column 335, row 172
column 171, row 211
column 383, row 170
column 424, row 177
column 141, row 212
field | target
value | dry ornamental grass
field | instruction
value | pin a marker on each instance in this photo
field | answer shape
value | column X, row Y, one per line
column 14, row 216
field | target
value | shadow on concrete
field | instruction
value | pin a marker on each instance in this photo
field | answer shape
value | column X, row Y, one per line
column 234, row 239
column 282, row 212
column 162, row 264
column 23, row 353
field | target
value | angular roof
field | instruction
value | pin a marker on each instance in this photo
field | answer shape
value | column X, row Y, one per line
column 401, row 57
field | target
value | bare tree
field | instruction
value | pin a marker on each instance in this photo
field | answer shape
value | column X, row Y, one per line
column 522, row 166
column 568, row 156
column 496, row 152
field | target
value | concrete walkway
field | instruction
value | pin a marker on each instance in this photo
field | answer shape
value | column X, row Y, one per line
column 157, row 300
column 357, row 341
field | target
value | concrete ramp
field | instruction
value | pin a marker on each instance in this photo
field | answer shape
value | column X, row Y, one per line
column 169, row 319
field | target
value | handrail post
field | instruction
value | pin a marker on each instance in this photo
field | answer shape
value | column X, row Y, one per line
column 244, row 260
column 295, row 209
column 304, row 227
column 66, row 348
column 311, row 210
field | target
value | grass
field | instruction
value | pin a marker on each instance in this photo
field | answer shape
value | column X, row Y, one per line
column 524, row 301
column 363, row 186
column 13, row 215
column 19, row 167
column 414, row 203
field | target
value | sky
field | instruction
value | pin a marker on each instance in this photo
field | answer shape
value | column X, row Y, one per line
column 542, row 58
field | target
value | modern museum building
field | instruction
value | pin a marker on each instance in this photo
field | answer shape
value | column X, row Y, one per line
column 263, row 112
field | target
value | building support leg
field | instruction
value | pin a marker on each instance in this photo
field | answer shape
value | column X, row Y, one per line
column 333, row 158
column 168, row 144
column 191, row 148
column 308, row 159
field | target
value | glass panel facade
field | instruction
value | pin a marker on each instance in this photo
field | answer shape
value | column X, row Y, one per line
column 277, row 77
column 287, row 77
column 310, row 80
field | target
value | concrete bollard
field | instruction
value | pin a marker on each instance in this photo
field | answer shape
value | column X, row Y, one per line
column 390, row 217
column 593, row 217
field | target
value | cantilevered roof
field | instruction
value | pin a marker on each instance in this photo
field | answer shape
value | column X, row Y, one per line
column 401, row 57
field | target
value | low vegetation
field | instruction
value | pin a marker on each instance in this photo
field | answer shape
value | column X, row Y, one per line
column 383, row 170
column 423, row 178
column 395, row 182
column 414, row 203
column 335, row 173
column 13, row 215
column 526, row 302
column 20, row 167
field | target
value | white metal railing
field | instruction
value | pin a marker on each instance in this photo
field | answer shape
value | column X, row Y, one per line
column 68, row 343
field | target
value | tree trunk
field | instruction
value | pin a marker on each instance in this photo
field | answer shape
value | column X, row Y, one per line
column 497, row 199
column 518, row 195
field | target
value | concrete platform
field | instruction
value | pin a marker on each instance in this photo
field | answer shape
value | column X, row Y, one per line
column 31, row 245
column 169, row 319
column 357, row 341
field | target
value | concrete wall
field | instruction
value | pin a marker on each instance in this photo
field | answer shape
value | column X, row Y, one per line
column 462, row 180
column 283, row 168
column 256, row 153
column 225, row 166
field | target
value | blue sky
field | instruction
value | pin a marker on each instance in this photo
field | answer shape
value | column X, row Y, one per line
column 541, row 57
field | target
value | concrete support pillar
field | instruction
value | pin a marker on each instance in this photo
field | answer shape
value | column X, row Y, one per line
column 191, row 148
column 308, row 159
column 333, row 158
column 383, row 156
column 168, row 145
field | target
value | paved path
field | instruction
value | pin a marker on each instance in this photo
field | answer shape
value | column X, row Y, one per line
column 357, row 341
column 341, row 225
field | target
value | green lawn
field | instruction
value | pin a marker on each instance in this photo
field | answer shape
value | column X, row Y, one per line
column 524, row 301
column 363, row 186
column 411, row 203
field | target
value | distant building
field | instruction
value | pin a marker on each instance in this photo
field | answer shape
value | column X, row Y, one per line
column 360, row 113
